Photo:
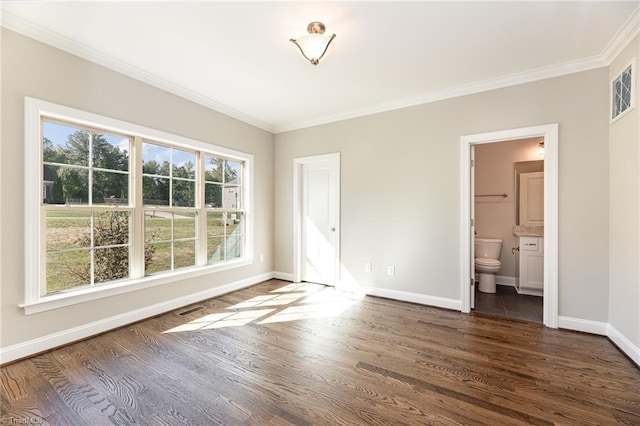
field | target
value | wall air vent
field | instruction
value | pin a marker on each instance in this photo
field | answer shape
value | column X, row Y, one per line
column 190, row 310
column 623, row 89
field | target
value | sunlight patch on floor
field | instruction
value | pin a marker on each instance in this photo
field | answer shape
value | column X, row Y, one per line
column 269, row 300
column 292, row 302
column 294, row 313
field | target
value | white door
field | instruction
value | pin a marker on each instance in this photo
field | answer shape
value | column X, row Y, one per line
column 319, row 257
column 531, row 204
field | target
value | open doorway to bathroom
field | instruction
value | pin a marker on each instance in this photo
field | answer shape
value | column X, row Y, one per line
column 549, row 133
column 509, row 217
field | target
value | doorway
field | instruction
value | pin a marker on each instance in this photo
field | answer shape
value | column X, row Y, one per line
column 317, row 219
column 507, row 184
column 549, row 135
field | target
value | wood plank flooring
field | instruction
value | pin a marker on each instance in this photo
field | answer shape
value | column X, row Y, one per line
column 280, row 354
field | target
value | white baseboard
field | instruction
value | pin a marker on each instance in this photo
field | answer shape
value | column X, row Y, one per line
column 422, row 299
column 285, row 276
column 31, row 347
column 504, row 280
column 530, row 291
column 624, row 344
column 586, row 326
column 34, row 346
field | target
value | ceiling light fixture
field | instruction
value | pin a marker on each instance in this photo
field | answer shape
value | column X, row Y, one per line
column 541, row 149
column 314, row 45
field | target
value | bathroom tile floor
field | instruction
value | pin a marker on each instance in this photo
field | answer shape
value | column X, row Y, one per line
column 506, row 302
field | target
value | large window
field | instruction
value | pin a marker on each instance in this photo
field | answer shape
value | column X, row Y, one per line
column 118, row 205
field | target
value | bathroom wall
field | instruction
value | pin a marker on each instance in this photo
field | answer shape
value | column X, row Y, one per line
column 496, row 216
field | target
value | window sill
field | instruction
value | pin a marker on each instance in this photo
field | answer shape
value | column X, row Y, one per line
column 57, row 301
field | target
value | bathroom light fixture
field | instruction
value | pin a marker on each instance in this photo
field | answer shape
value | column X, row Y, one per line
column 314, row 45
column 541, row 149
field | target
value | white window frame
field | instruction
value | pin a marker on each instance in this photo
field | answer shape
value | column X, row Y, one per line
column 633, row 65
column 35, row 226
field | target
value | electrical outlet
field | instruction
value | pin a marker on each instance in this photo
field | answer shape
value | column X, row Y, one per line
column 368, row 267
column 391, row 270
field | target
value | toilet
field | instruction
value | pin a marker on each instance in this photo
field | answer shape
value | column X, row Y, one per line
column 487, row 263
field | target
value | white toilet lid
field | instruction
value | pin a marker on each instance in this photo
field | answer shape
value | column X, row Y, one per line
column 487, row 261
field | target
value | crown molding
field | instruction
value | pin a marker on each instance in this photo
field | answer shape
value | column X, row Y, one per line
column 516, row 79
column 623, row 37
column 21, row 26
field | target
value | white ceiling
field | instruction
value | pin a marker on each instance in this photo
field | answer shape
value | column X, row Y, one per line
column 236, row 57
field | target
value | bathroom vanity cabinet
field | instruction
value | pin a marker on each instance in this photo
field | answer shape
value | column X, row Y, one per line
column 531, row 266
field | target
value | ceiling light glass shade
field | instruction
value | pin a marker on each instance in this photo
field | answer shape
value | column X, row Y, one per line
column 541, row 149
column 314, row 45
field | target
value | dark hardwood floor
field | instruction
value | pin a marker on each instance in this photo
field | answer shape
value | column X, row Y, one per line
column 281, row 353
column 506, row 302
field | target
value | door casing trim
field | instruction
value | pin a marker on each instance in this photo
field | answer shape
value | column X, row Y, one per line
column 298, row 164
column 550, row 134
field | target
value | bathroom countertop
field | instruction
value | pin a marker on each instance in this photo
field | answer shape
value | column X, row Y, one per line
column 528, row 231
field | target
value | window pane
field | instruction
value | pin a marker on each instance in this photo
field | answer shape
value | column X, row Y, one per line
column 110, row 188
column 160, row 260
column 231, row 197
column 212, row 195
column 111, row 264
column 155, row 159
column 235, row 224
column 68, row 269
column 233, row 172
column 111, row 228
column 184, row 254
column 184, row 225
column 184, row 193
column 69, row 185
column 233, row 247
column 64, row 144
column 215, row 250
column 155, row 191
column 215, row 224
column 68, row 230
column 157, row 226
column 213, row 169
column 184, row 164
column 110, row 151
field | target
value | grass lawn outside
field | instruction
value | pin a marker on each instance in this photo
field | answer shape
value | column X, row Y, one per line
column 171, row 236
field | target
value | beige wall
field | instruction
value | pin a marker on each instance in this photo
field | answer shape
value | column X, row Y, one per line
column 495, row 174
column 400, row 187
column 30, row 68
column 624, row 211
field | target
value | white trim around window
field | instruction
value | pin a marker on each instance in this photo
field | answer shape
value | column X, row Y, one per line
column 35, row 298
